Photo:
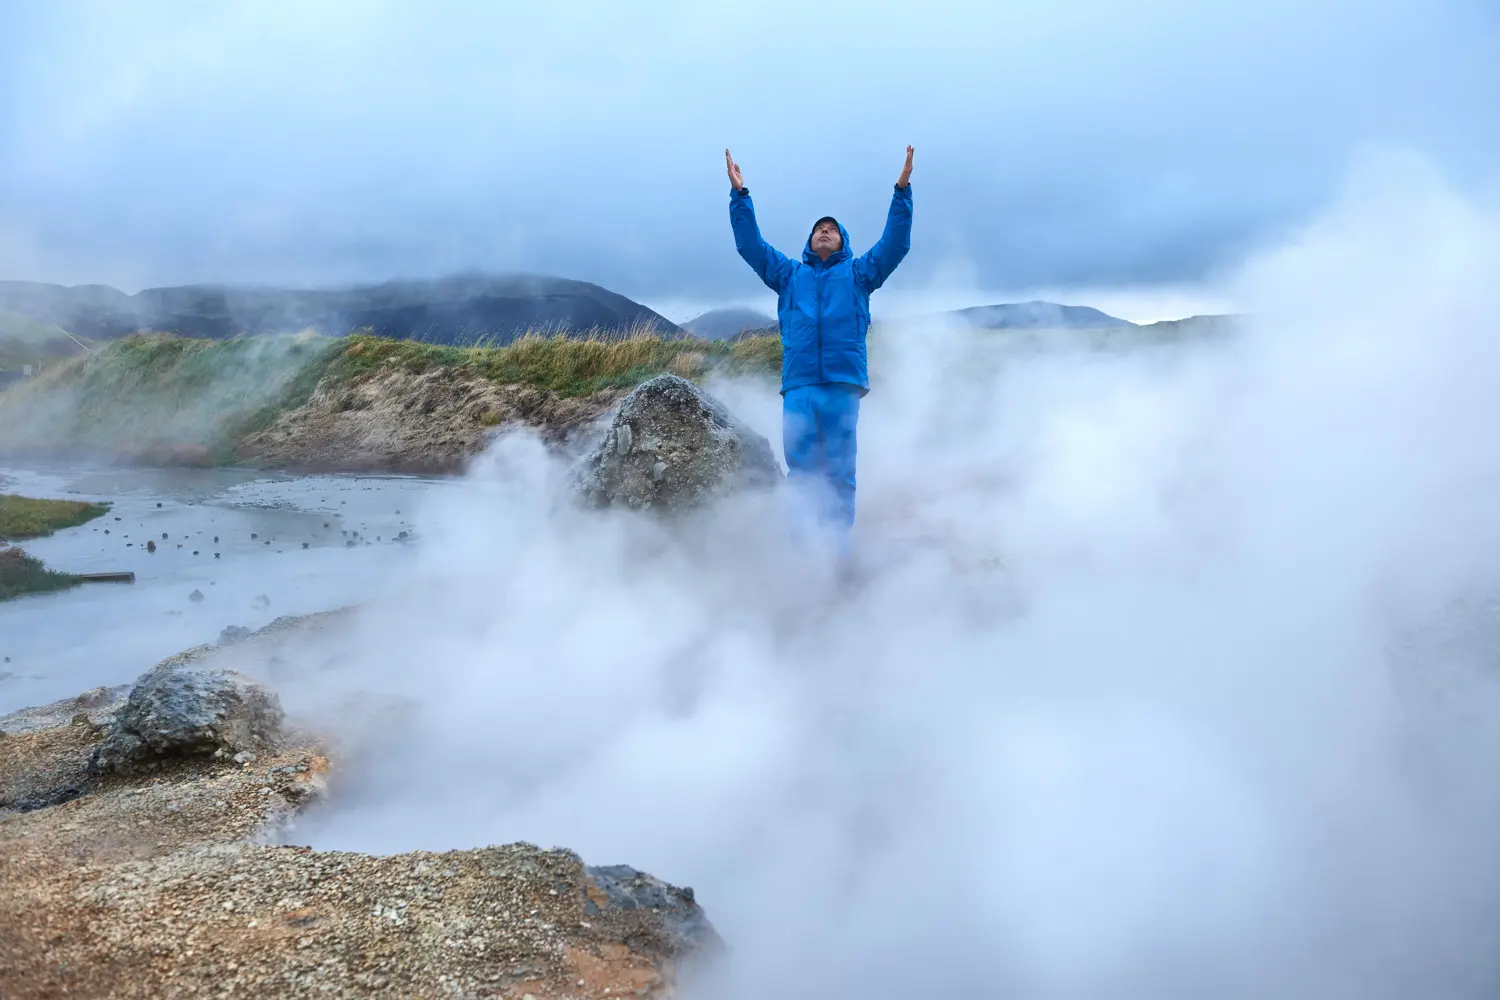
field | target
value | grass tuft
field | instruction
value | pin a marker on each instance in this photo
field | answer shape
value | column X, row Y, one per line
column 22, row 574
column 25, row 517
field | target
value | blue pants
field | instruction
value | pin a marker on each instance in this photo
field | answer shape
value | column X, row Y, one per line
column 817, row 435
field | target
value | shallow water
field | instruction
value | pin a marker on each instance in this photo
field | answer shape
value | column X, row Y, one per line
column 283, row 538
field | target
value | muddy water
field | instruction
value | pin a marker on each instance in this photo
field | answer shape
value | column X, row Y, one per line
column 255, row 545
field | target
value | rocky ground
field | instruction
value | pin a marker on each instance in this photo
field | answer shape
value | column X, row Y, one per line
column 160, row 878
column 427, row 423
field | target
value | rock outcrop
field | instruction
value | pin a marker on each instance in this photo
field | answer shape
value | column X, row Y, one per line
column 184, row 707
column 140, row 885
column 672, row 446
column 430, row 422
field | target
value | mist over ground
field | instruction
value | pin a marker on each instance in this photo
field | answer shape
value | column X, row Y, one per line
column 1171, row 672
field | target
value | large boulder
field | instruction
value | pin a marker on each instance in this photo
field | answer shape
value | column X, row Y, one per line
column 182, row 708
column 672, row 446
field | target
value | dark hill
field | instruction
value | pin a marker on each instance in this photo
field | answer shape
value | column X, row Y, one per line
column 723, row 324
column 458, row 310
column 1037, row 316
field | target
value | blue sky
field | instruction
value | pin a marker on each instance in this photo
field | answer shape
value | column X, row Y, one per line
column 1059, row 144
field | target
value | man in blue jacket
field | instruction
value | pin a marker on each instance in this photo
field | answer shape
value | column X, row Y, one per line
column 824, row 312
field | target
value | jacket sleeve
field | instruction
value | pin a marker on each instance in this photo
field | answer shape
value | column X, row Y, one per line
column 880, row 260
column 771, row 264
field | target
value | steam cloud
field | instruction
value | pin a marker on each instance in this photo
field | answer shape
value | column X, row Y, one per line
column 1173, row 673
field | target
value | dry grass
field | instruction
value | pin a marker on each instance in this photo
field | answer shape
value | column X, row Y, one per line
column 568, row 366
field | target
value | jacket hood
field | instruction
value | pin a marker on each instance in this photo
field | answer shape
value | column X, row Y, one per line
column 843, row 252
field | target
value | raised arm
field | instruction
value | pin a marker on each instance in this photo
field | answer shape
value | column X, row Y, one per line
column 880, row 260
column 768, row 262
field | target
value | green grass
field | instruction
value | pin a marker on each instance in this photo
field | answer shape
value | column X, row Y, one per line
column 25, row 517
column 566, row 366
column 21, row 574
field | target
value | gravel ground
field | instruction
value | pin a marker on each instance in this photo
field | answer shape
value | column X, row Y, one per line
column 166, row 885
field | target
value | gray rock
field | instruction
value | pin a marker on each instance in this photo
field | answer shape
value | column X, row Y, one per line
column 233, row 634
column 671, row 446
column 683, row 921
column 179, row 708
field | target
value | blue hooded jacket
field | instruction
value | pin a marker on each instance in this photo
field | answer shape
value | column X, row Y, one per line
column 824, row 306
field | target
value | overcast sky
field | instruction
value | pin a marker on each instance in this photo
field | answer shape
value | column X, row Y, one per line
column 1060, row 143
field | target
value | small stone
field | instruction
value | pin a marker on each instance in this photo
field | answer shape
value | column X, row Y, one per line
column 254, row 535
column 304, row 545
column 244, row 757
column 163, row 534
column 196, row 595
column 150, row 546
column 658, row 470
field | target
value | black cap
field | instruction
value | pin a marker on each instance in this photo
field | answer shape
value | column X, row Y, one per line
column 815, row 225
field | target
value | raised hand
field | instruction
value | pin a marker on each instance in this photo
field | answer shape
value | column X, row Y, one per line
column 901, row 181
column 736, row 180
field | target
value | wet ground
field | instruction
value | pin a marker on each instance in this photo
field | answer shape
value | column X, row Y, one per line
column 253, row 545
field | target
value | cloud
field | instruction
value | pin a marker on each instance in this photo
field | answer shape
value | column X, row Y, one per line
column 1081, row 142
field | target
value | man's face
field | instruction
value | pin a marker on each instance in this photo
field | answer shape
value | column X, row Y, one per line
column 826, row 238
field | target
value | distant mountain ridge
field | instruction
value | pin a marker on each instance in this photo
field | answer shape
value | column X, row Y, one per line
column 461, row 309
column 1037, row 315
column 723, row 324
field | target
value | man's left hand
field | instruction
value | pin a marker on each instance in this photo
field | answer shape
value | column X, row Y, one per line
column 905, row 177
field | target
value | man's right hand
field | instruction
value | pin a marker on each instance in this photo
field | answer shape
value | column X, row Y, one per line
column 736, row 180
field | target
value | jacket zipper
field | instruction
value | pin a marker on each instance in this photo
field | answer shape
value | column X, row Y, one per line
column 820, row 326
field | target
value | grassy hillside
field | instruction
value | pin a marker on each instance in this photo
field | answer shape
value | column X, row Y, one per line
column 174, row 400
column 157, row 393
column 26, row 341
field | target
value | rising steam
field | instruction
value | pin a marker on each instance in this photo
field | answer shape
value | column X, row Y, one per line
column 1171, row 673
